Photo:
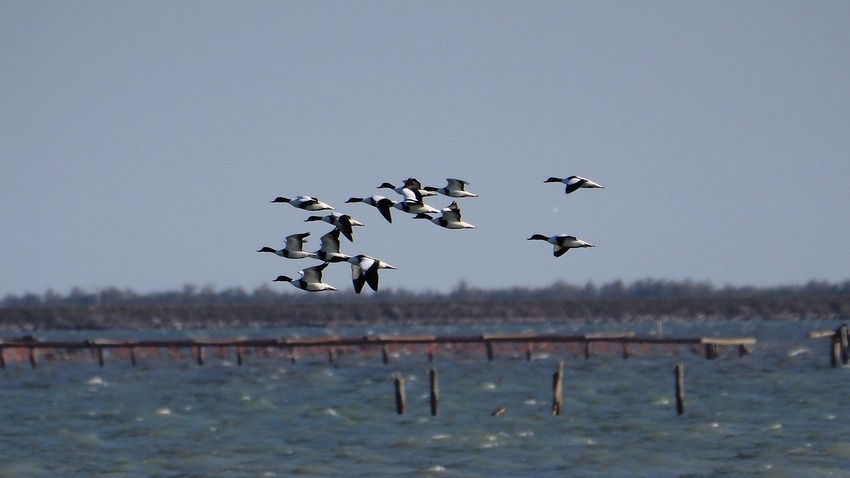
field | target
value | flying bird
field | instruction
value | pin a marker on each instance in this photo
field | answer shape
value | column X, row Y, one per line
column 310, row 280
column 449, row 218
column 383, row 204
column 455, row 188
column 574, row 182
column 308, row 203
column 294, row 248
column 344, row 222
column 329, row 252
column 562, row 242
column 410, row 189
column 364, row 270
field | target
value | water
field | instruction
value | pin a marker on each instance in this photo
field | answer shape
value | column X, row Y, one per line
column 779, row 412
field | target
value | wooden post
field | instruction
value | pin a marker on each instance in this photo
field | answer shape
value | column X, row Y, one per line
column 835, row 351
column 431, row 348
column 845, row 347
column 710, row 351
column 587, row 350
column 435, row 391
column 489, row 345
column 293, row 357
column 239, row 356
column 385, row 354
column 199, row 354
column 625, row 350
column 400, row 399
column 100, row 356
column 2, row 357
column 528, row 352
column 32, row 357
column 332, row 355
column 680, row 389
column 557, row 388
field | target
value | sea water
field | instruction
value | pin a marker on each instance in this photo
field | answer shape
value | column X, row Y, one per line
column 779, row 412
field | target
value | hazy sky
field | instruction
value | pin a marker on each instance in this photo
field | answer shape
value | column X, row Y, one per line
column 142, row 142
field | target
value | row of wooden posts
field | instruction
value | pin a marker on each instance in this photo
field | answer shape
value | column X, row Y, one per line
column 557, row 392
column 333, row 344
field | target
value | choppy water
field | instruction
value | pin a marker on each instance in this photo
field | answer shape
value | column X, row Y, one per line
column 779, row 412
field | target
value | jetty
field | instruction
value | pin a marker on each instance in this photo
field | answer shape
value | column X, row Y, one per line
column 33, row 349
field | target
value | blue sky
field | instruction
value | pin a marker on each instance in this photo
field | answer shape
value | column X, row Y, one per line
column 142, row 142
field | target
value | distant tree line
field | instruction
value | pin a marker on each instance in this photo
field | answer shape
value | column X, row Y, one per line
column 191, row 295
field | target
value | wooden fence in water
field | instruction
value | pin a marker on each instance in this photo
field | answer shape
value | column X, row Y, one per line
column 33, row 350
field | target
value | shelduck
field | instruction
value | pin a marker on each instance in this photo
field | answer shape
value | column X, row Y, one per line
column 455, row 188
column 308, row 203
column 343, row 221
column 574, row 182
column 310, row 280
column 411, row 189
column 364, row 270
column 294, row 248
column 562, row 242
column 329, row 252
column 383, row 204
column 449, row 218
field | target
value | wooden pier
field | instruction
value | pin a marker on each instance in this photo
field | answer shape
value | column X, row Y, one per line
column 31, row 348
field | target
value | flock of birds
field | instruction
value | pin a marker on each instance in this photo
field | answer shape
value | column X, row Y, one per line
column 364, row 269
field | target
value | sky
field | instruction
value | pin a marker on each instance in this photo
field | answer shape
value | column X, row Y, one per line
column 142, row 142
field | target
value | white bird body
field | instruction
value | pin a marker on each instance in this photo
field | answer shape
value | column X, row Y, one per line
column 310, row 280
column 364, row 270
column 294, row 248
column 412, row 206
column 383, row 204
column 344, row 222
column 455, row 188
column 329, row 252
column 308, row 203
column 411, row 189
column 449, row 218
column 574, row 183
column 562, row 242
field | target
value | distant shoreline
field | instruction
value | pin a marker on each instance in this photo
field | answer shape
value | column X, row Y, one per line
column 410, row 313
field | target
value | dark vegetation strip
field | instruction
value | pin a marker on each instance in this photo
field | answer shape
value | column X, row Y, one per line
column 421, row 312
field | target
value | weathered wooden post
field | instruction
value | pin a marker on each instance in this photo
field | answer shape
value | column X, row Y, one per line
column 711, row 351
column 239, row 356
column 435, row 391
column 489, row 345
column 557, row 388
column 32, row 357
column 587, row 350
column 679, row 373
column 100, row 356
column 2, row 357
column 528, row 351
column 625, row 350
column 431, row 351
column 385, row 354
column 199, row 354
column 400, row 399
column 835, row 351
column 845, row 347
column 332, row 355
